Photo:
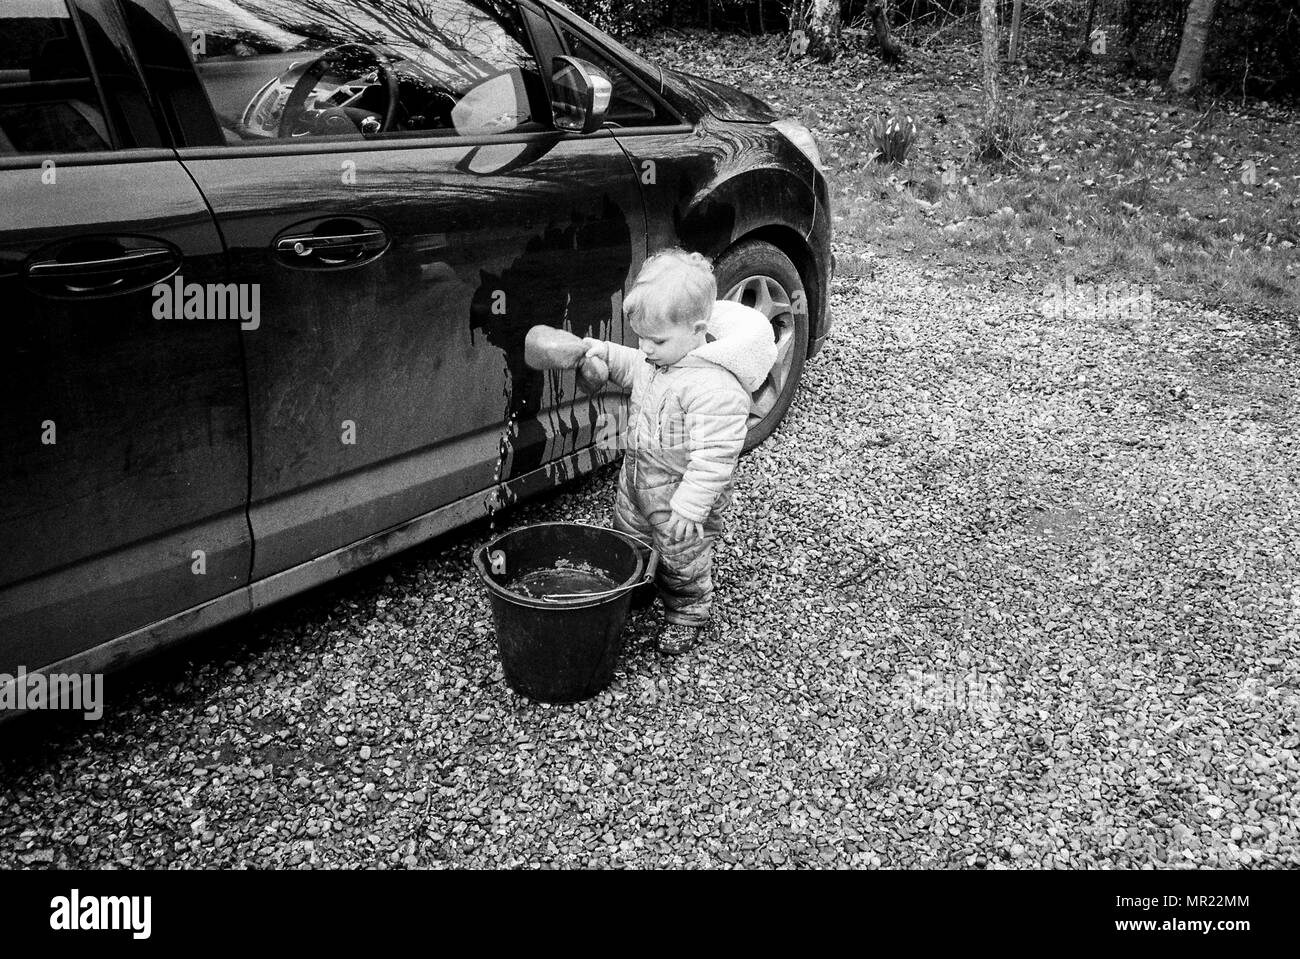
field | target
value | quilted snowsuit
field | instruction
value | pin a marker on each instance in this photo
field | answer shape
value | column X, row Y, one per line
column 685, row 429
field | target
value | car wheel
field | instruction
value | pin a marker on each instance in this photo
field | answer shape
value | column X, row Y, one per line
column 758, row 274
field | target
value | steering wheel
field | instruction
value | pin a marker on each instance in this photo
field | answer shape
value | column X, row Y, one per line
column 335, row 118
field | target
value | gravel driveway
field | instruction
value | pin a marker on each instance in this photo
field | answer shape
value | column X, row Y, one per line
column 1004, row 591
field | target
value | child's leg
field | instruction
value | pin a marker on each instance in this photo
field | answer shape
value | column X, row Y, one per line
column 628, row 519
column 686, row 580
column 686, row 569
column 684, row 576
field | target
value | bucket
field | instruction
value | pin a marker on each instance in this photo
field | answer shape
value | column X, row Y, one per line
column 562, row 647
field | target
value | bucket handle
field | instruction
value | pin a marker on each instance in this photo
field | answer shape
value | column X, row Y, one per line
column 651, row 565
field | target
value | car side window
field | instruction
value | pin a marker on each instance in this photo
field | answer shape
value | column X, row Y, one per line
column 630, row 105
column 48, row 101
column 288, row 69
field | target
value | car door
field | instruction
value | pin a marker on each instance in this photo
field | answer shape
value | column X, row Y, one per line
column 401, row 253
column 124, row 469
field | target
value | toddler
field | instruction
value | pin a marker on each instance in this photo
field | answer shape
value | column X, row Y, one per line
column 699, row 361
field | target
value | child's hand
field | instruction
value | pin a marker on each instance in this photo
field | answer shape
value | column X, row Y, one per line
column 598, row 349
column 680, row 528
column 593, row 374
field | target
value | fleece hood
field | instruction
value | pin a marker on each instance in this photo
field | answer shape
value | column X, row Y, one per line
column 740, row 341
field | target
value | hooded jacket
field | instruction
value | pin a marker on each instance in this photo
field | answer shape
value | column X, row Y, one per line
column 687, row 422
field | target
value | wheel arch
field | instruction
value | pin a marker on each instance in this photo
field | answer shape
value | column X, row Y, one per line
column 793, row 245
column 766, row 203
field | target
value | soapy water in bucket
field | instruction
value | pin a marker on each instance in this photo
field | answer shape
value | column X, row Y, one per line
column 567, row 579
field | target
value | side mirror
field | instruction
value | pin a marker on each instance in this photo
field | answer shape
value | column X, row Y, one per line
column 580, row 95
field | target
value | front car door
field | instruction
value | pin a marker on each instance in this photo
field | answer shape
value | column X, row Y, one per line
column 387, row 175
column 123, row 469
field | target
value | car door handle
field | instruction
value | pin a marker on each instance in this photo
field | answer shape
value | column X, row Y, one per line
column 128, row 267
column 331, row 243
column 101, row 267
column 306, row 244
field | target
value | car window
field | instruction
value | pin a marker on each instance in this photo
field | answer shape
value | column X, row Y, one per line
column 288, row 69
column 48, row 101
column 630, row 105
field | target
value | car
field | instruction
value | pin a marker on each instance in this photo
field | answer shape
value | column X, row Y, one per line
column 267, row 267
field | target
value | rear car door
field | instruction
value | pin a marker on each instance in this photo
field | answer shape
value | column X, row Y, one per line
column 387, row 175
column 123, row 465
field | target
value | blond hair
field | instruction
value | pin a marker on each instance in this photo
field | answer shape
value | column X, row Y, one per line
column 673, row 286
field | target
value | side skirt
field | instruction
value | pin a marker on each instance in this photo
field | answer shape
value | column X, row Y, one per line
column 153, row 638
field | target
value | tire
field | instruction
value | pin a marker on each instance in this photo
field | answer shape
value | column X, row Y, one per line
column 758, row 274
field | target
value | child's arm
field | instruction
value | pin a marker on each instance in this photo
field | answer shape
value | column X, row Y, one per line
column 716, row 423
column 623, row 361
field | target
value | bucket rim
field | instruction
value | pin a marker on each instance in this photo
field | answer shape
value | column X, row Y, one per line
column 644, row 551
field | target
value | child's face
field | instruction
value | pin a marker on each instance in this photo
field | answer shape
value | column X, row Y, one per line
column 665, row 342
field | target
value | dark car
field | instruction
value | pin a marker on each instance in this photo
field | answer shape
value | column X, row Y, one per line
column 266, row 269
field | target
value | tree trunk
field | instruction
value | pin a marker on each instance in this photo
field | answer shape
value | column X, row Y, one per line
column 820, row 22
column 1014, row 53
column 1085, row 47
column 989, row 58
column 1191, row 52
column 890, row 49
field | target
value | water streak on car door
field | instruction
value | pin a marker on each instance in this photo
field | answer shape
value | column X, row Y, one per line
column 378, row 389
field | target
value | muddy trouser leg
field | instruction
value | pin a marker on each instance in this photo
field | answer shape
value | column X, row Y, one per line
column 685, row 575
column 628, row 519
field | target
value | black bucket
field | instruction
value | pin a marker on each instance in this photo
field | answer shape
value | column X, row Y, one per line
column 562, row 650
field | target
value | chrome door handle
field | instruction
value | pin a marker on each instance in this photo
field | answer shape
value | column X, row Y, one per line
column 90, row 269
column 331, row 243
column 307, row 244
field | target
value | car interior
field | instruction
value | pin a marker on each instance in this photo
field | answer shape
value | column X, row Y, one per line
column 343, row 92
column 286, row 80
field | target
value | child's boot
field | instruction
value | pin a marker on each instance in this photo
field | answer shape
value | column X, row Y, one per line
column 678, row 638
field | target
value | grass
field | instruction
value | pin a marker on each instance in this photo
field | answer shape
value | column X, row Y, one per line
column 1093, row 174
column 1189, row 246
column 1118, row 210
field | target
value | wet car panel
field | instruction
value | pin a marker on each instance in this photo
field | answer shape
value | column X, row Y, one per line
column 124, row 477
column 406, row 369
column 723, row 102
column 380, row 388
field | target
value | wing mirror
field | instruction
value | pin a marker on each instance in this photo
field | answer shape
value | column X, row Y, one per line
column 580, row 95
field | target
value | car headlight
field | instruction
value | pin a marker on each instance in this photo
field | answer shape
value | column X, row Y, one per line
column 801, row 137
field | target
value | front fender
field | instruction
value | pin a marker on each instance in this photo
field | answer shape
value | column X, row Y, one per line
column 724, row 211
column 710, row 185
column 772, row 205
